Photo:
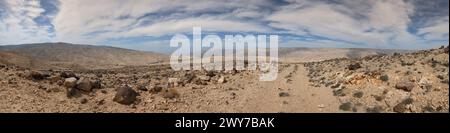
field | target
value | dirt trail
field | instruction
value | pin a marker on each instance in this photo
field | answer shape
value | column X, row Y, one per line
column 265, row 97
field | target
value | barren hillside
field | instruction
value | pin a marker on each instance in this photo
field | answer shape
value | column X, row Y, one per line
column 75, row 56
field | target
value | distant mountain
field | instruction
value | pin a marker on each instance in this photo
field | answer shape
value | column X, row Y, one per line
column 320, row 54
column 75, row 56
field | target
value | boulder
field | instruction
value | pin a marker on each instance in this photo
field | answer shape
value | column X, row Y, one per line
column 84, row 84
column 125, row 95
column 96, row 84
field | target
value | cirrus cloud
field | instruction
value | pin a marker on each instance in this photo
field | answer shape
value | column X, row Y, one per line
column 403, row 24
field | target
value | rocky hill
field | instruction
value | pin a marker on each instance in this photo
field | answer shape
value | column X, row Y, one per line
column 75, row 56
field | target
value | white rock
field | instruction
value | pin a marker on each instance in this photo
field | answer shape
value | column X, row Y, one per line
column 70, row 82
column 173, row 82
column 221, row 79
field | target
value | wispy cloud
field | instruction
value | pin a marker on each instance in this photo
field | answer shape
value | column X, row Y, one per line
column 320, row 23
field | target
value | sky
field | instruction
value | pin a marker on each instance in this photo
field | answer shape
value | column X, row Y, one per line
column 149, row 24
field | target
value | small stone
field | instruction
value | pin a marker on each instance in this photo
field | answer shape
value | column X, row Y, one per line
column 406, row 86
column 204, row 78
column 402, row 106
column 96, row 84
column 336, row 85
column 67, row 74
column 156, row 88
column 83, row 101
column 321, row 106
column 221, row 80
column 346, row 106
column 354, row 66
column 283, row 94
column 36, row 75
column 173, row 82
column 210, row 74
column 142, row 88
column 170, row 93
column 379, row 98
column 358, row 94
column 54, row 79
column 440, row 77
column 384, row 78
column 73, row 93
column 376, row 109
column 70, row 82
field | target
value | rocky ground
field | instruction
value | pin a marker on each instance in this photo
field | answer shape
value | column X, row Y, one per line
column 416, row 82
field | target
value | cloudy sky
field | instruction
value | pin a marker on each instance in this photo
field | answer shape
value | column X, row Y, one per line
column 149, row 24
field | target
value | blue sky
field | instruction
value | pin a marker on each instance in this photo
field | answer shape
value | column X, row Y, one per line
column 149, row 24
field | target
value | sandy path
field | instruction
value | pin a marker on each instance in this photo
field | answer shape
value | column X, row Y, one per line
column 264, row 96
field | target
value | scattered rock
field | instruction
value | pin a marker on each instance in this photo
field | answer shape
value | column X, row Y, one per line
column 125, row 95
column 440, row 77
column 384, row 78
column 402, row 106
column 187, row 78
column 36, row 75
column 210, row 74
column 67, row 74
column 54, row 79
column 170, row 93
column 446, row 50
column 204, row 78
column 84, row 84
column 376, row 109
column 354, row 66
column 321, row 106
column 346, row 106
column 83, row 101
column 156, row 88
column 173, row 82
column 379, row 98
column 406, row 86
column 142, row 88
column 73, row 93
column 221, row 80
column 336, row 85
column 96, row 84
column 283, row 94
column 70, row 82
column 358, row 94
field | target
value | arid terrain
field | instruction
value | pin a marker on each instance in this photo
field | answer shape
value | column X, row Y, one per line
column 83, row 78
